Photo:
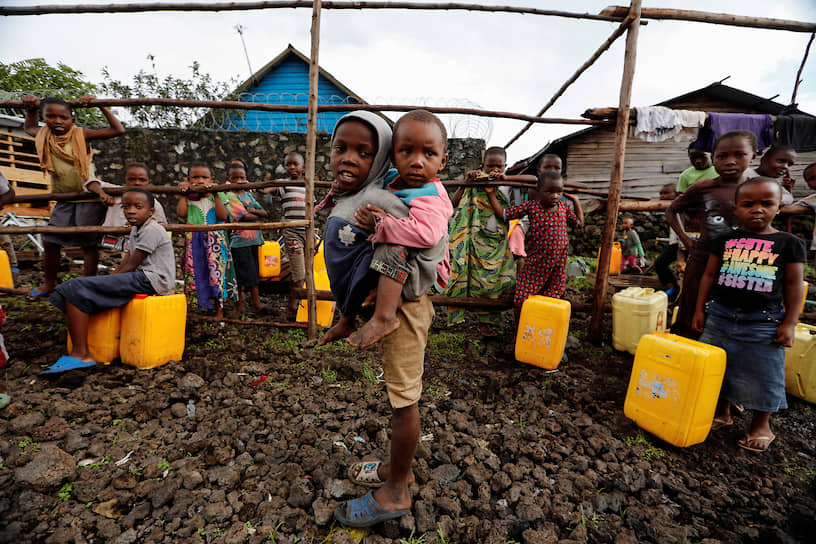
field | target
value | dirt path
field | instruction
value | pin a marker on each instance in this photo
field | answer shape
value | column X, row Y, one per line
column 202, row 450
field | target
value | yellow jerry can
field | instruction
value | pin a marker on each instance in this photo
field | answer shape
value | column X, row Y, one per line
column 637, row 311
column 153, row 330
column 800, row 364
column 6, row 279
column 325, row 308
column 542, row 331
column 674, row 387
column 269, row 260
column 103, row 335
column 614, row 259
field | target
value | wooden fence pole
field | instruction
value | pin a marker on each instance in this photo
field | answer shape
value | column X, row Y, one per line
column 311, row 151
column 616, row 178
column 801, row 67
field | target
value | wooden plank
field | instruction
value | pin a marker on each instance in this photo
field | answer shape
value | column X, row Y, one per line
column 24, row 174
column 18, row 136
column 17, row 161
column 19, row 153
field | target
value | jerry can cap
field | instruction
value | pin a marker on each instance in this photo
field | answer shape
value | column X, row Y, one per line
column 140, row 296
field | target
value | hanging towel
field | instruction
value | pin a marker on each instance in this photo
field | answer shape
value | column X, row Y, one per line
column 720, row 123
column 797, row 131
column 688, row 123
column 658, row 123
column 654, row 123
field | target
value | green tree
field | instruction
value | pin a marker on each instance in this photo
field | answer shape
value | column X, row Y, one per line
column 37, row 77
column 199, row 86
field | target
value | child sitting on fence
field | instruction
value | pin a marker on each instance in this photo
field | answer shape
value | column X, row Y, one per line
column 752, row 315
column 208, row 265
column 244, row 244
column 64, row 152
column 632, row 256
column 545, row 270
column 149, row 268
column 710, row 204
column 136, row 175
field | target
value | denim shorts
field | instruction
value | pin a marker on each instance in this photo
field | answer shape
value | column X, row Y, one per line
column 755, row 368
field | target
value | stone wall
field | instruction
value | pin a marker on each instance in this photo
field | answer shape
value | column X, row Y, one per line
column 167, row 152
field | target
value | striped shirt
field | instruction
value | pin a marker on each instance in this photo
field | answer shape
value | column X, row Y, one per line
column 293, row 201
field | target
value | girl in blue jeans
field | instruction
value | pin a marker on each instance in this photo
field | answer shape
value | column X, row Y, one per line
column 753, row 286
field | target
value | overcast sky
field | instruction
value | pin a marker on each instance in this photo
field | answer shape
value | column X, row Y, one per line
column 499, row 61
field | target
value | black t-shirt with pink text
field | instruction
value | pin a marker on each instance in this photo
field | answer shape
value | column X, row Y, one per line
column 752, row 269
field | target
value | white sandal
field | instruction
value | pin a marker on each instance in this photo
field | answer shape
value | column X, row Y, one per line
column 367, row 473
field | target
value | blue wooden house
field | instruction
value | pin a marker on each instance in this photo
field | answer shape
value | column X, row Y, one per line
column 285, row 80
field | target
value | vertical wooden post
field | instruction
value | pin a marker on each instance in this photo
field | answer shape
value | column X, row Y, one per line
column 799, row 75
column 311, row 147
column 616, row 177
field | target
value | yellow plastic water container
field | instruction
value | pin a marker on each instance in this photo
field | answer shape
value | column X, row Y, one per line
column 6, row 279
column 269, row 260
column 103, row 335
column 800, row 364
column 674, row 387
column 614, row 259
column 325, row 308
column 153, row 330
column 804, row 295
column 637, row 311
column 542, row 331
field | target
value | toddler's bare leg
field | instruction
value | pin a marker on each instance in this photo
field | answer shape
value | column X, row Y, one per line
column 384, row 321
column 343, row 328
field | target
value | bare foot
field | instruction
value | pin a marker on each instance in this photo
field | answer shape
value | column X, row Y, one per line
column 393, row 499
column 86, row 357
column 219, row 313
column 343, row 328
column 373, row 331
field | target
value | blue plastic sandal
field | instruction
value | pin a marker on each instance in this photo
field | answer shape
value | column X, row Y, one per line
column 365, row 512
column 65, row 363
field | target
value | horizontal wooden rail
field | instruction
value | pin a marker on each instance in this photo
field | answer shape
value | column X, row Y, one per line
column 246, row 6
column 611, row 13
column 166, row 189
column 714, row 18
column 180, row 227
column 286, row 108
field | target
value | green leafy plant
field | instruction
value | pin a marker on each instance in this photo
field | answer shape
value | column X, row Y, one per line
column 40, row 78
column 198, row 86
column 163, row 465
column 369, row 374
column 329, row 375
column 64, row 494
column 649, row 451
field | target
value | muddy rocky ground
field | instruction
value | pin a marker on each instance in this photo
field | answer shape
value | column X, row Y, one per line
column 202, row 450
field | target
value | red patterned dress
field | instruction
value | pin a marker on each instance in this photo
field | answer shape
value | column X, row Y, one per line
column 547, row 245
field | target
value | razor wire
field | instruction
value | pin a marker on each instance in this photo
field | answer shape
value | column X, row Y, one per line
column 458, row 125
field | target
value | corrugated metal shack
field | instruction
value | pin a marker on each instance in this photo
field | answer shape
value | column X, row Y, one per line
column 587, row 154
